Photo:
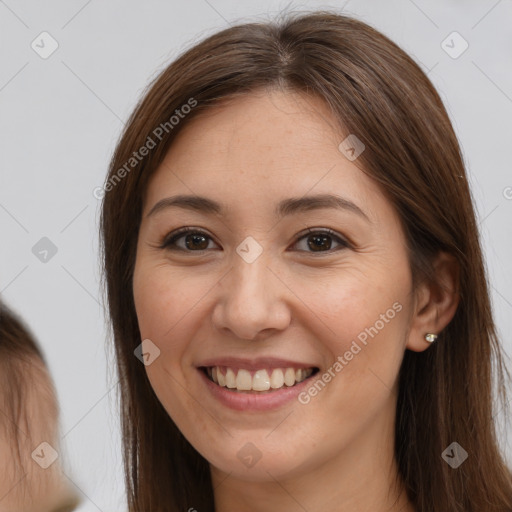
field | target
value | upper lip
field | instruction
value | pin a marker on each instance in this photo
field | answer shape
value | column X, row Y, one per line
column 254, row 364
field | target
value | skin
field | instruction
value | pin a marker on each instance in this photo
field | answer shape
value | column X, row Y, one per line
column 336, row 452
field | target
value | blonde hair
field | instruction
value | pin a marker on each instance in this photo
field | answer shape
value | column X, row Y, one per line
column 29, row 414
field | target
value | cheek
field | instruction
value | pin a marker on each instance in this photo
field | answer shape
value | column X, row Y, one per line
column 169, row 306
column 161, row 309
column 150, row 304
column 162, row 297
column 348, row 301
column 364, row 317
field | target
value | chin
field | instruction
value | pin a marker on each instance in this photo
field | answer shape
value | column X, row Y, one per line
column 257, row 462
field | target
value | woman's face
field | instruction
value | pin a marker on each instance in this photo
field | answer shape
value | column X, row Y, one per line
column 255, row 292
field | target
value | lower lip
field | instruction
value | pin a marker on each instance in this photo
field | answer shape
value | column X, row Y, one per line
column 251, row 401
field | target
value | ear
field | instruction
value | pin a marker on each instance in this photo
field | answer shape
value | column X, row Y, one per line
column 436, row 301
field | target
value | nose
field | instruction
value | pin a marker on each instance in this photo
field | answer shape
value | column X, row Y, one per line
column 253, row 301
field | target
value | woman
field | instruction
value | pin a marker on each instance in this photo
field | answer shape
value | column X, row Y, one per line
column 275, row 377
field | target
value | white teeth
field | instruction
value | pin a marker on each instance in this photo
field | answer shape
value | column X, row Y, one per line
column 242, row 380
column 277, row 379
column 230, row 378
column 260, row 381
column 289, row 377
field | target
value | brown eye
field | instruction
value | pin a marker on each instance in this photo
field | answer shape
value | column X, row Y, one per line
column 194, row 240
column 322, row 241
column 317, row 242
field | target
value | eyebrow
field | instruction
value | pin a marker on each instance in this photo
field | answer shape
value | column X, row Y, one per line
column 284, row 208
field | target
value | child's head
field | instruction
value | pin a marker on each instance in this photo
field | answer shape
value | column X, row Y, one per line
column 30, row 478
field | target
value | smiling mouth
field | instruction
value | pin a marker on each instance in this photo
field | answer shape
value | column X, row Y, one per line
column 257, row 382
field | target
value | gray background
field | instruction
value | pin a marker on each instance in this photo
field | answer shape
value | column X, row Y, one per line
column 61, row 116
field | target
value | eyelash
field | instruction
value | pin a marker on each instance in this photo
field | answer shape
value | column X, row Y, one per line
column 170, row 240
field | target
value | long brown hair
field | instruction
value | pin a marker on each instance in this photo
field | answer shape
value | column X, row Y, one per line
column 380, row 94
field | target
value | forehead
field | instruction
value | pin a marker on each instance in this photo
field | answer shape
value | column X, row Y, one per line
column 245, row 127
column 258, row 149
